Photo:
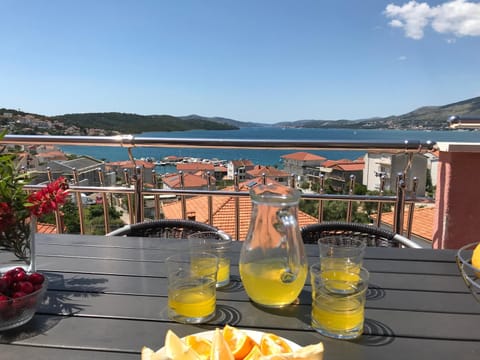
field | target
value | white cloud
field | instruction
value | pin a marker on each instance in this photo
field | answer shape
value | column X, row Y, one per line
column 402, row 58
column 456, row 17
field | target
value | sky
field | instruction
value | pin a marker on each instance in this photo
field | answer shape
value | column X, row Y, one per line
column 251, row 60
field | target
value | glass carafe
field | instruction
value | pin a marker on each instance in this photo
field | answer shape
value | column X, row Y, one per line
column 273, row 266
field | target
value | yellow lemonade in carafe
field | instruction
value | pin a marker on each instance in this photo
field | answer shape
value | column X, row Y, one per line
column 269, row 282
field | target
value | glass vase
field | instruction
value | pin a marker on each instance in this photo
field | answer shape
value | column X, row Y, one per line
column 17, row 246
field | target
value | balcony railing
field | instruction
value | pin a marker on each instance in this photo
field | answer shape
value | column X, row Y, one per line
column 135, row 191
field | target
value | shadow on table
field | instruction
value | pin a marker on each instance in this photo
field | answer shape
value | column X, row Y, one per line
column 58, row 302
column 376, row 334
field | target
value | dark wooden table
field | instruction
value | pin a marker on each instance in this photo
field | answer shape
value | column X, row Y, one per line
column 107, row 298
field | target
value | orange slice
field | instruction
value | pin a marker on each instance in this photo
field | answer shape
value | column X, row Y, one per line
column 254, row 354
column 273, row 344
column 202, row 346
column 238, row 341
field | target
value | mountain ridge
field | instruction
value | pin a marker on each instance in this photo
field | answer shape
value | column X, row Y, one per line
column 425, row 117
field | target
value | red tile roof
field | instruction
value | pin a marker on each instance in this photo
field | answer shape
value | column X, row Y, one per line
column 423, row 219
column 127, row 164
column 350, row 167
column 243, row 162
column 173, row 181
column 223, row 208
column 303, row 156
column 44, row 228
column 195, row 166
column 268, row 171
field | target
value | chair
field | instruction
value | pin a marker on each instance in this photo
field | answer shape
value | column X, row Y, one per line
column 166, row 228
column 374, row 236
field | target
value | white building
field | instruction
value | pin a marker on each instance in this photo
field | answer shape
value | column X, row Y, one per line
column 390, row 164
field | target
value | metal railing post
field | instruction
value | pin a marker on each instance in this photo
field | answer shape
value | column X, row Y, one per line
column 156, row 197
column 106, row 212
column 351, row 187
column 138, row 197
column 58, row 216
column 237, row 206
column 411, row 207
column 380, row 204
column 210, row 201
column 320, row 202
column 81, row 215
column 182, row 197
column 399, row 204
column 128, row 183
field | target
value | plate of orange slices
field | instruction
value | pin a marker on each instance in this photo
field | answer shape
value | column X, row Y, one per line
column 231, row 343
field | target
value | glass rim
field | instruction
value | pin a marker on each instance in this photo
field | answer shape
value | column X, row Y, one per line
column 187, row 256
column 355, row 243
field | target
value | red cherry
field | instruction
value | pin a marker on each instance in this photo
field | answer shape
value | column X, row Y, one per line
column 37, row 287
column 36, row 278
column 24, row 286
column 8, row 279
column 20, row 276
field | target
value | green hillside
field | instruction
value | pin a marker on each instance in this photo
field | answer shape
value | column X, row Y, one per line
column 134, row 123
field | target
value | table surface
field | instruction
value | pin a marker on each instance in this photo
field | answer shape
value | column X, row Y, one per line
column 107, row 298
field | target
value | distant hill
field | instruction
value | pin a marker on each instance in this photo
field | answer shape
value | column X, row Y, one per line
column 427, row 117
column 222, row 120
column 134, row 123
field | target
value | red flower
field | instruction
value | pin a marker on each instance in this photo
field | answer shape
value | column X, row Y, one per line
column 49, row 199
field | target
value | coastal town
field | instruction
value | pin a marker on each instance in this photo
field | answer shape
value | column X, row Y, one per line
column 375, row 171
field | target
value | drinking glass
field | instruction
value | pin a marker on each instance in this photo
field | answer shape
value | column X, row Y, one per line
column 340, row 252
column 219, row 244
column 338, row 314
column 191, row 287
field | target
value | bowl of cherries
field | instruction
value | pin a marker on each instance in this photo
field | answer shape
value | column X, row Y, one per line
column 20, row 295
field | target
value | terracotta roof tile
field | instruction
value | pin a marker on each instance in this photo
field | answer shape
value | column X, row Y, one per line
column 422, row 225
column 350, row 167
column 195, row 166
column 224, row 211
column 44, row 228
column 303, row 156
column 173, row 181
column 127, row 164
column 268, row 171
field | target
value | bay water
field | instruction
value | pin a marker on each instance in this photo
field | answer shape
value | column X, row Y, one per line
column 267, row 157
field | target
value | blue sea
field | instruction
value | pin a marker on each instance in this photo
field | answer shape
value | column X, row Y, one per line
column 268, row 157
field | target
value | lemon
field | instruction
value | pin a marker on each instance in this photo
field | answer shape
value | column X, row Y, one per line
column 220, row 348
column 176, row 349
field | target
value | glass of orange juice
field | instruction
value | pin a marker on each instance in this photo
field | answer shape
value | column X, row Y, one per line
column 192, row 287
column 219, row 244
column 338, row 314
